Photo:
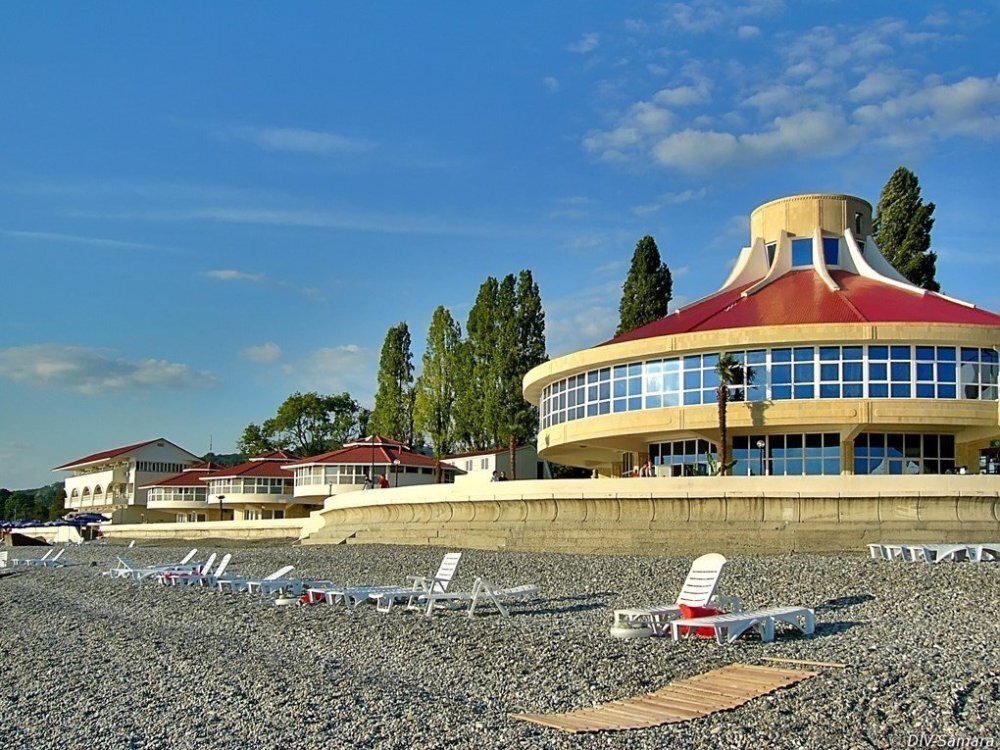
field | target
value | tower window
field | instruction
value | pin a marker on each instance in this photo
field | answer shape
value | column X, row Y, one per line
column 802, row 252
column 857, row 223
column 831, row 251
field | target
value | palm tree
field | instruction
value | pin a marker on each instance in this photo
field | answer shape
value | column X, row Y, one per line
column 730, row 372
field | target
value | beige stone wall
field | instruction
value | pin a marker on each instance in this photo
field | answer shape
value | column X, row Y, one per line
column 766, row 515
column 284, row 528
column 799, row 215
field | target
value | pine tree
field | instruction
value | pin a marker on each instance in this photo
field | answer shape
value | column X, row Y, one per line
column 476, row 391
column 435, row 390
column 647, row 290
column 529, row 350
column 902, row 229
column 392, row 416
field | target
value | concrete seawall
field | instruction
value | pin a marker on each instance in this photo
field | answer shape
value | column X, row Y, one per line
column 684, row 516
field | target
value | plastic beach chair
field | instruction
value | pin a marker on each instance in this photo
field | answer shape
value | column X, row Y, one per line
column 482, row 591
column 183, row 578
column 28, row 561
column 729, row 626
column 243, row 584
column 698, row 591
column 52, row 562
column 385, row 596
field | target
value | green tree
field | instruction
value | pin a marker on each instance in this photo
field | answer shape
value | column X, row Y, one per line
column 57, row 508
column 306, row 424
column 730, row 372
column 435, row 389
column 648, row 288
column 393, row 413
column 254, row 441
column 902, row 229
column 475, row 397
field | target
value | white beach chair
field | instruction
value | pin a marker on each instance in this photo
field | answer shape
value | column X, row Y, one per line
column 983, row 552
column 731, row 625
column 179, row 578
column 935, row 553
column 29, row 561
column 385, row 596
column 482, row 590
column 237, row 584
column 53, row 562
column 438, row 583
column 124, row 569
column 210, row 577
column 698, row 591
column 184, row 566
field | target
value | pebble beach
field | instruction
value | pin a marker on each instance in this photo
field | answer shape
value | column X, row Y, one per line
column 91, row 662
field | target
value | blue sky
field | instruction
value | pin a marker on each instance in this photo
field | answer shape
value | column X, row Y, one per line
column 207, row 207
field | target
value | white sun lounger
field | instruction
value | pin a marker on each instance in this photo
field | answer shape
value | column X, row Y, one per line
column 28, row 561
column 243, row 584
column 385, row 596
column 730, row 626
column 179, row 578
column 698, row 591
column 53, row 562
column 184, row 566
column 482, row 590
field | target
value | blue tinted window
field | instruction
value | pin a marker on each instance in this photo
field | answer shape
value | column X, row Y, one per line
column 829, row 373
column 803, row 373
column 829, row 353
column 852, row 391
column 878, row 352
column 692, row 362
column 900, row 390
column 852, row 352
column 619, row 404
column 925, row 371
column 852, row 371
column 877, row 371
column 756, row 357
column 634, row 404
column 900, row 371
column 592, row 376
column 878, row 390
column 605, row 391
column 620, row 388
column 900, row 352
column 653, row 402
column 828, row 390
column 803, row 354
column 692, row 380
column 946, row 353
column 779, row 392
column 692, row 397
column 620, row 371
column 925, row 353
column 946, row 391
column 988, row 355
column 635, row 369
column 946, row 371
column 802, row 252
column 925, row 390
column 710, row 379
column 781, row 374
column 710, row 360
column 970, row 355
column 804, row 391
column 831, row 251
column 781, row 355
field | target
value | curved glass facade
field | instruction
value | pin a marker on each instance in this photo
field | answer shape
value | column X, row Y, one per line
column 778, row 373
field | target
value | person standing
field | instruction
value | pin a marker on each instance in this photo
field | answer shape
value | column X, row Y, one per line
column 383, row 483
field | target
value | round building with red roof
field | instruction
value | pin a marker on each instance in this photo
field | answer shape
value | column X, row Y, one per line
column 852, row 369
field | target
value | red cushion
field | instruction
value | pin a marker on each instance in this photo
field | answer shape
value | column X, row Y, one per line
column 688, row 612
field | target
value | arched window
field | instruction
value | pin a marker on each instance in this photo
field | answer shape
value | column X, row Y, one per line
column 98, row 490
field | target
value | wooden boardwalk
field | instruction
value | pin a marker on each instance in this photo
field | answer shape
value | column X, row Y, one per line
column 693, row 698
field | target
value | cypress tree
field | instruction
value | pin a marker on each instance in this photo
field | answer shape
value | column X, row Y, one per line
column 392, row 416
column 902, row 229
column 647, row 290
column 435, row 390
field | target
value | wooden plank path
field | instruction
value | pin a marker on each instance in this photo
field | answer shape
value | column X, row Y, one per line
column 684, row 700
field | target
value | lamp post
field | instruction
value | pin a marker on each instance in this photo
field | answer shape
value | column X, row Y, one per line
column 760, row 452
column 395, row 471
column 221, row 498
column 371, row 475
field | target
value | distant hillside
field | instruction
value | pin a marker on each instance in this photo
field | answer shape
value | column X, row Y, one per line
column 39, row 504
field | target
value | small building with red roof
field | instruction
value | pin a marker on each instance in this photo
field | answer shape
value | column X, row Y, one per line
column 363, row 462
column 259, row 489
column 853, row 369
column 113, row 482
column 184, row 496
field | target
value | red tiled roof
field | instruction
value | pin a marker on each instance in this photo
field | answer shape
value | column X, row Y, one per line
column 378, row 440
column 252, row 469
column 801, row 297
column 279, row 455
column 365, row 454
column 187, row 478
column 104, row 455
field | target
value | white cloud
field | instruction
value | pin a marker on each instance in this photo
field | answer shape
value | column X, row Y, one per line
column 698, row 16
column 877, row 84
column 75, row 239
column 340, row 368
column 583, row 319
column 268, row 352
column 748, row 32
column 683, row 96
column 773, row 98
column 94, row 371
column 670, row 199
column 551, row 84
column 229, row 274
column 294, row 140
column 586, row 43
